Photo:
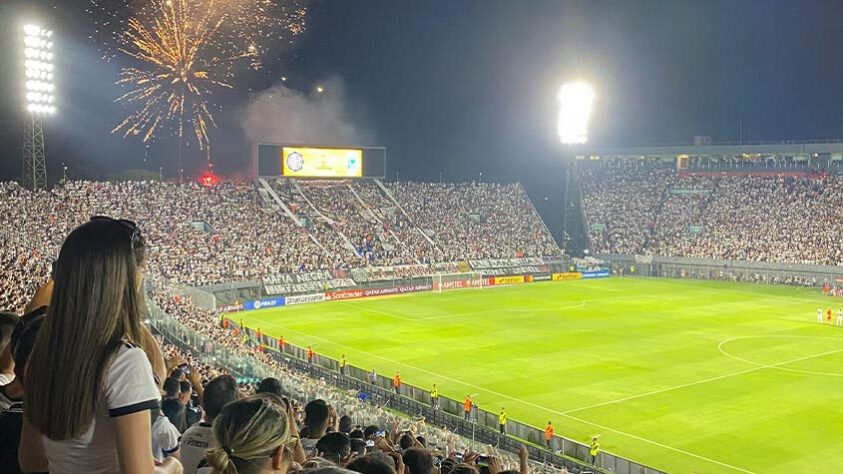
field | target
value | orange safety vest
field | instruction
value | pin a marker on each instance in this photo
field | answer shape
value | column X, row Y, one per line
column 467, row 404
column 396, row 382
column 548, row 432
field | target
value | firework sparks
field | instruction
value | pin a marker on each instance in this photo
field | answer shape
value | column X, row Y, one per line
column 185, row 51
column 179, row 73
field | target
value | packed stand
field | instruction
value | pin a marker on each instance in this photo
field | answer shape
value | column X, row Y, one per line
column 476, row 220
column 621, row 206
column 370, row 238
column 646, row 210
column 230, row 232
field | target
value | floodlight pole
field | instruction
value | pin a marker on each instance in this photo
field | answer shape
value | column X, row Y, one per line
column 566, row 183
column 34, row 158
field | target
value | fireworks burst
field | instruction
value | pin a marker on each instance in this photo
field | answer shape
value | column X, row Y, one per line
column 186, row 50
column 179, row 73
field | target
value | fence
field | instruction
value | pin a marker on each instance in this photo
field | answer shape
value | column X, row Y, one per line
column 483, row 427
column 188, row 339
column 730, row 270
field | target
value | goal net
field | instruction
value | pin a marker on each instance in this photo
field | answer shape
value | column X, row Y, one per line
column 453, row 281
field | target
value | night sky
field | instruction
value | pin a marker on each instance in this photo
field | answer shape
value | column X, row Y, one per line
column 464, row 87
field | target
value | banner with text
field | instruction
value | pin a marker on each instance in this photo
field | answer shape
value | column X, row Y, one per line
column 566, row 276
column 304, row 299
column 509, row 280
column 397, row 272
column 292, row 283
column 394, row 290
column 596, row 274
column 467, row 283
column 264, row 303
column 509, row 266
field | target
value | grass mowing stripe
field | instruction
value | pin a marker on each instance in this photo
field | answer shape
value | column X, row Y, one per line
column 548, row 348
column 525, row 402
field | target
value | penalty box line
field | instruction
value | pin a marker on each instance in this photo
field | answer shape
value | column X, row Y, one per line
column 534, row 405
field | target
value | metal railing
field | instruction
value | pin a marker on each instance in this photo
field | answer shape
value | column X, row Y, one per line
column 728, row 270
column 481, row 427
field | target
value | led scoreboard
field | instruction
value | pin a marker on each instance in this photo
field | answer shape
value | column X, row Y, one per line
column 303, row 161
column 321, row 162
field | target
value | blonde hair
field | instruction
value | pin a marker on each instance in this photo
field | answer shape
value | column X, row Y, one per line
column 247, row 432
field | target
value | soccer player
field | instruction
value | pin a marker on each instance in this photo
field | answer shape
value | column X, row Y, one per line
column 819, row 315
column 828, row 315
column 343, row 363
column 466, row 407
column 502, row 421
column 840, row 317
column 548, row 435
column 434, row 397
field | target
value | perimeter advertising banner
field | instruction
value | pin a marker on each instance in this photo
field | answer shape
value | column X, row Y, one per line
column 509, row 280
column 566, row 276
column 300, row 162
column 264, row 303
column 304, row 299
column 395, row 290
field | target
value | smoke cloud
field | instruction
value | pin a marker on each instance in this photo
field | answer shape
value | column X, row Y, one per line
column 284, row 115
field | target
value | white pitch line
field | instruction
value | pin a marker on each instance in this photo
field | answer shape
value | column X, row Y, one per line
column 534, row 405
column 756, row 367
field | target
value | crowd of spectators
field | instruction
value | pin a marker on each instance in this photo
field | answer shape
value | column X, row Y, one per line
column 343, row 412
column 106, row 395
column 476, row 220
column 231, row 232
column 759, row 218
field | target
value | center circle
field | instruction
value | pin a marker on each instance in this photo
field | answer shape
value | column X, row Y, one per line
column 786, row 352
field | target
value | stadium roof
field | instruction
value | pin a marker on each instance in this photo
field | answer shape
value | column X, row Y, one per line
column 780, row 148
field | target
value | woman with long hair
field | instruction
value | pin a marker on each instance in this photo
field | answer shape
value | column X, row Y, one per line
column 90, row 384
column 252, row 436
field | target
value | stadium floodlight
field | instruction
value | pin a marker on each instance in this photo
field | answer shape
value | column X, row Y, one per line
column 575, row 102
column 39, row 98
column 38, row 69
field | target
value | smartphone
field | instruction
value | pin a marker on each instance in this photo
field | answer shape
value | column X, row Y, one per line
column 482, row 461
column 458, row 456
column 370, row 443
column 381, row 434
column 185, row 369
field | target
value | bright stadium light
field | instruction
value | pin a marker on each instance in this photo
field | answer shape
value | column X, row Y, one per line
column 38, row 70
column 38, row 52
column 575, row 101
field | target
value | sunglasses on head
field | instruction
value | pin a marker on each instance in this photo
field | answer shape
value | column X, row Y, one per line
column 137, row 239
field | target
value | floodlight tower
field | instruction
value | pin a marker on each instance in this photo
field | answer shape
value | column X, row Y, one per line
column 40, row 101
column 575, row 103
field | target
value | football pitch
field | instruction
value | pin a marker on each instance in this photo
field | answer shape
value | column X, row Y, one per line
column 680, row 375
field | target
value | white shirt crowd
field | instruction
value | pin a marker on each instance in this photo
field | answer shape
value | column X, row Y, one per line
column 656, row 211
column 198, row 235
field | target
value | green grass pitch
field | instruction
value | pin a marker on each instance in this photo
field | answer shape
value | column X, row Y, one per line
column 681, row 375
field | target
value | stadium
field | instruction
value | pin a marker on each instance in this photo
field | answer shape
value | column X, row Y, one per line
column 308, row 312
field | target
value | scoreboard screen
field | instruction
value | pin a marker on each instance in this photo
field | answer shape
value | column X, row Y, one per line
column 300, row 162
column 314, row 161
